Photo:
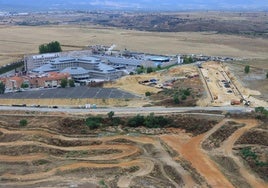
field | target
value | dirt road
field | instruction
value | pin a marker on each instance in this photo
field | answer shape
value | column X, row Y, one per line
column 227, row 149
column 192, row 152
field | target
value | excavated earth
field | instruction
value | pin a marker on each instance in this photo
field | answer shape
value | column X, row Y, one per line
column 56, row 150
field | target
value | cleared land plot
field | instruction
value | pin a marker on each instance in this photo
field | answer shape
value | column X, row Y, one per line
column 71, row 93
column 256, row 79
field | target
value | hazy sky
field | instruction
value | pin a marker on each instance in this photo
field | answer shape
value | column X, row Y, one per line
column 134, row 4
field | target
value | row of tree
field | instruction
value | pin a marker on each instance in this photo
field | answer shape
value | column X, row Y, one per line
column 150, row 121
column 51, row 47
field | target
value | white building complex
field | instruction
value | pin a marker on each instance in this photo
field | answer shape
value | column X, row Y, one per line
column 81, row 69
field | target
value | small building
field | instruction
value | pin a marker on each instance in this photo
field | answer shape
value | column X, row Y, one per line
column 14, row 83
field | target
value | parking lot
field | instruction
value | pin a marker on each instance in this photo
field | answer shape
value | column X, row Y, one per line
column 71, row 93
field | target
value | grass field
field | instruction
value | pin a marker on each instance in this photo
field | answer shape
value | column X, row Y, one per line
column 19, row 40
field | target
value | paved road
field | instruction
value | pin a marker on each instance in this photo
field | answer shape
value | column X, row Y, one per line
column 127, row 110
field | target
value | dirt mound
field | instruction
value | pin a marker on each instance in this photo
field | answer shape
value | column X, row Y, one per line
column 257, row 137
column 215, row 139
column 193, row 125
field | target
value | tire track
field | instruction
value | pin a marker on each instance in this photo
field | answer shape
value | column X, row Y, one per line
column 191, row 150
column 228, row 146
column 142, row 163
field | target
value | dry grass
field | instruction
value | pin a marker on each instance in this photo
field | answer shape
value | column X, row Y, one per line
column 19, row 40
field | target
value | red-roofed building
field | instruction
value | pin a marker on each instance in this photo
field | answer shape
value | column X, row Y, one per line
column 14, row 82
column 52, row 79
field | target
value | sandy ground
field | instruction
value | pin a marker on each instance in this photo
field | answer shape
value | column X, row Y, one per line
column 19, row 40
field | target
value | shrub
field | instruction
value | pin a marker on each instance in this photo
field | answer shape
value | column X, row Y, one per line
column 71, row 83
column 150, row 69
column 152, row 121
column 94, row 122
column 183, row 97
column 176, row 99
column 63, row 83
column 147, row 93
column 247, row 69
column 116, row 121
column 24, row 85
column 136, row 121
column 110, row 115
column 23, row 122
column 187, row 92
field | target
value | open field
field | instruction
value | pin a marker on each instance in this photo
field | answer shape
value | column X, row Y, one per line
column 19, row 40
column 57, row 150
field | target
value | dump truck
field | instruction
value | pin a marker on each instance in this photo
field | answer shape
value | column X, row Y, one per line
column 235, row 102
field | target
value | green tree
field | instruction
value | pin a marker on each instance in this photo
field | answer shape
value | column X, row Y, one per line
column 24, row 85
column 71, row 83
column 94, row 122
column 140, row 70
column 111, row 115
column 53, row 46
column 187, row 60
column 149, row 70
column 136, row 121
column 147, row 93
column 23, row 122
column 63, row 83
column 2, row 88
column 247, row 69
column 152, row 121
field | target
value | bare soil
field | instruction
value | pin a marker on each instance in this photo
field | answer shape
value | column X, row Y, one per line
column 50, row 152
column 231, row 171
column 255, row 79
column 215, row 139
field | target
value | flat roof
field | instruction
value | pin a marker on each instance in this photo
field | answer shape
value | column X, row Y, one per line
column 45, row 68
column 157, row 58
column 120, row 60
column 49, row 55
column 75, row 70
